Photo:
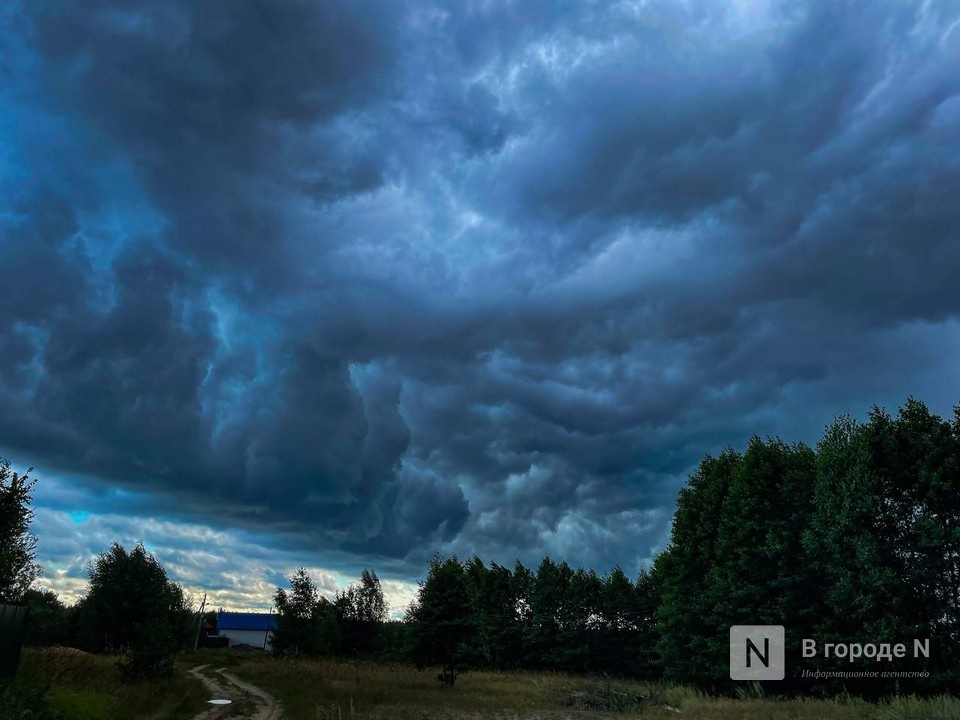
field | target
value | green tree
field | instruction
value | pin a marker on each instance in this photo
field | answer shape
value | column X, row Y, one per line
column 885, row 535
column 549, row 600
column 514, row 647
column 647, row 600
column 843, row 540
column 761, row 575
column 623, row 640
column 444, row 630
column 306, row 621
column 18, row 567
column 361, row 609
column 856, row 541
column 48, row 619
column 495, row 607
column 132, row 608
column 680, row 571
column 579, row 623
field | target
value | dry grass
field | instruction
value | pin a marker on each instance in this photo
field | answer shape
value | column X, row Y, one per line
column 356, row 690
column 87, row 687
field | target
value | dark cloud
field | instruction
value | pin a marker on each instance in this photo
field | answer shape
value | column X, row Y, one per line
column 226, row 106
column 376, row 280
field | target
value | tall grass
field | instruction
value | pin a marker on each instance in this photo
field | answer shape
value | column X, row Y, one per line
column 911, row 708
column 69, row 685
column 358, row 690
column 66, row 684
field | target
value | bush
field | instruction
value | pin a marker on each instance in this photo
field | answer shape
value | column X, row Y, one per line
column 151, row 654
column 18, row 703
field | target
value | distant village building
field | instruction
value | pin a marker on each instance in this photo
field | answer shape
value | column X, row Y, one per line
column 254, row 629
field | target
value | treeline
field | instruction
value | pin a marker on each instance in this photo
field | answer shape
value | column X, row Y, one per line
column 471, row 615
column 857, row 540
column 854, row 541
column 557, row 618
column 310, row 624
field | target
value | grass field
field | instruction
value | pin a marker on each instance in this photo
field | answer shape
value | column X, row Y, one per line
column 84, row 687
column 66, row 684
column 355, row 690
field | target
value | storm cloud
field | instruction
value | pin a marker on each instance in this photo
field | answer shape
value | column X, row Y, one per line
column 373, row 280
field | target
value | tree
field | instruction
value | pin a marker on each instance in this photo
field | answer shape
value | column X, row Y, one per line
column 443, row 626
column 18, row 568
column 761, row 573
column 371, row 605
column 681, row 572
column 579, row 621
column 306, row 621
column 885, row 535
column 622, row 643
column 132, row 608
column 360, row 610
column 521, row 588
column 549, row 596
column 647, row 599
column 843, row 542
column 48, row 619
column 495, row 609
column 858, row 540
column 482, row 609
column 736, row 557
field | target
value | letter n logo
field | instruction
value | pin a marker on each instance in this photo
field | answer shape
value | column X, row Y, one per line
column 757, row 652
column 763, row 657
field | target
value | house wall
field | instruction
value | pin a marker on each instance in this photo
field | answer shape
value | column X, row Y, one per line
column 250, row 637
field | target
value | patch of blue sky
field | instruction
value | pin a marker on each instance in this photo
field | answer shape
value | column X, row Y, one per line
column 78, row 516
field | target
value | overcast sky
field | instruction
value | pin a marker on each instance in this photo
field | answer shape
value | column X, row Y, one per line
column 344, row 284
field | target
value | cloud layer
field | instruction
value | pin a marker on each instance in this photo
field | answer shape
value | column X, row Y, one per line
column 371, row 281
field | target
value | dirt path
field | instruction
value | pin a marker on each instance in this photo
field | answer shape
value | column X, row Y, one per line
column 251, row 702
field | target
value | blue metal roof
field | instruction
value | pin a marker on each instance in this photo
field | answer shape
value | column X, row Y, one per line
column 245, row 621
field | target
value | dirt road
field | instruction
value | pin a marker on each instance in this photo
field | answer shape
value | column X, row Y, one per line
column 251, row 702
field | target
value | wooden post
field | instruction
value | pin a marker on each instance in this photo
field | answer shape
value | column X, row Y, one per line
column 267, row 631
column 196, row 640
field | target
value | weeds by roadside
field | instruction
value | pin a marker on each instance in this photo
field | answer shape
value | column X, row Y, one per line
column 67, row 684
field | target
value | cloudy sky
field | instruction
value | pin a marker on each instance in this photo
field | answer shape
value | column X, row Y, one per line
column 343, row 284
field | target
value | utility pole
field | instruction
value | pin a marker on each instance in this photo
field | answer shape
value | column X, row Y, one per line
column 196, row 640
column 267, row 631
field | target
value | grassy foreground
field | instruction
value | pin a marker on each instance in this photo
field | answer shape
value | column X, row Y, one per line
column 67, row 684
column 85, row 687
column 356, row 690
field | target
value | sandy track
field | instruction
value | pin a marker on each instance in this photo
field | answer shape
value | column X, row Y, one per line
column 243, row 694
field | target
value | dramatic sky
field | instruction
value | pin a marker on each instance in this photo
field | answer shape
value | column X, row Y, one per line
column 344, row 284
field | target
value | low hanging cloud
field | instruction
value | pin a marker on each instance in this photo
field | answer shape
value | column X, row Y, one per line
column 369, row 282
column 232, row 569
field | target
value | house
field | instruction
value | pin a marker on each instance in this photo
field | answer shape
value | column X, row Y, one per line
column 254, row 629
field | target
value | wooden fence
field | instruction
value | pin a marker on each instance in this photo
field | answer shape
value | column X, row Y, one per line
column 13, row 619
